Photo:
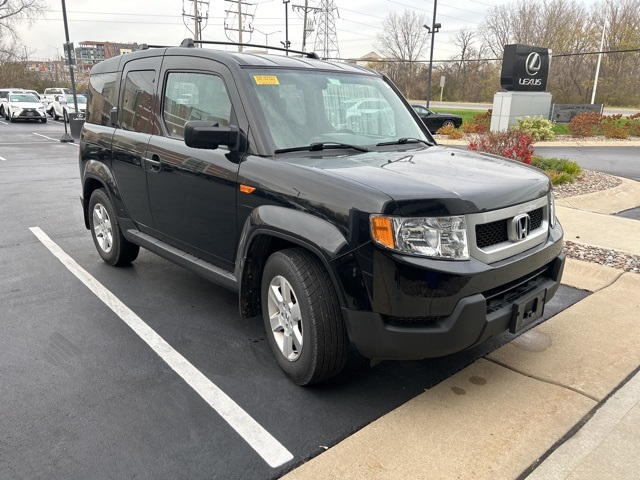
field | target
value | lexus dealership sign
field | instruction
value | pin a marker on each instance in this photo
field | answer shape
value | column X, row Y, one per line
column 525, row 68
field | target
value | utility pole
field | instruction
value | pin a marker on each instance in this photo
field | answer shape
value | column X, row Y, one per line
column 307, row 22
column 243, row 23
column 200, row 13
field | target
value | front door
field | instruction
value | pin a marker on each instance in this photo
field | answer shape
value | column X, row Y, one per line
column 193, row 191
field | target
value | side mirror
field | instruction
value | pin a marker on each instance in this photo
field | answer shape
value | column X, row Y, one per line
column 208, row 135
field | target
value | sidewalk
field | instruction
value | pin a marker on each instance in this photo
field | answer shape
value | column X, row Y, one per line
column 546, row 405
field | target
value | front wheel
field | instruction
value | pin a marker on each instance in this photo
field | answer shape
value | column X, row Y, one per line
column 448, row 123
column 107, row 236
column 302, row 317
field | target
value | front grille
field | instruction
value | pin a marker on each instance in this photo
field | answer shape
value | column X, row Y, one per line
column 536, row 218
column 493, row 233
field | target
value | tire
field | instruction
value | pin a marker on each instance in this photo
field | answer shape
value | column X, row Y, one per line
column 54, row 114
column 43, row 120
column 448, row 123
column 107, row 236
column 302, row 317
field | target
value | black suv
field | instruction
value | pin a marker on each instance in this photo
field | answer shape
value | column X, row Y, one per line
column 313, row 189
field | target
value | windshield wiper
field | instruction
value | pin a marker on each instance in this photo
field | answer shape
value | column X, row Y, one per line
column 317, row 146
column 402, row 141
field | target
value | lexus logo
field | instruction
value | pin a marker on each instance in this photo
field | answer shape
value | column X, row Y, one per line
column 533, row 63
column 519, row 227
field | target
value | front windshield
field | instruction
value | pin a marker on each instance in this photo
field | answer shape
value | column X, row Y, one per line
column 80, row 99
column 302, row 107
column 24, row 97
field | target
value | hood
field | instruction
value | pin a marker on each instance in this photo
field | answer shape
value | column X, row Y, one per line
column 439, row 180
column 35, row 105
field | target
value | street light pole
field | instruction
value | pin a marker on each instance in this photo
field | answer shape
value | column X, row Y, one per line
column 286, row 43
column 66, row 138
column 595, row 81
column 432, row 30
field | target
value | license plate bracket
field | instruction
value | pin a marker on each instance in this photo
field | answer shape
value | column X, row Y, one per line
column 527, row 310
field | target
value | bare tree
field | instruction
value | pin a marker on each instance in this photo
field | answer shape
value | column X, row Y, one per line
column 403, row 39
column 566, row 27
column 13, row 13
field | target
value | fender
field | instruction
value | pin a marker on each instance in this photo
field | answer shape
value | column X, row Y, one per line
column 97, row 171
column 322, row 238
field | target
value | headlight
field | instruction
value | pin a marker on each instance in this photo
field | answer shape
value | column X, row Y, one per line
column 552, row 210
column 436, row 237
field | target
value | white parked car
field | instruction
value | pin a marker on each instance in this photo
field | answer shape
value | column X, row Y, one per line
column 24, row 106
column 62, row 106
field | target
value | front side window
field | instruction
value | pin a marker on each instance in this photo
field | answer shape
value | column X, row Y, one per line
column 194, row 96
column 301, row 107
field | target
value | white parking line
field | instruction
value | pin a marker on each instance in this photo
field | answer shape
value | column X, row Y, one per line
column 54, row 139
column 2, row 159
column 274, row 453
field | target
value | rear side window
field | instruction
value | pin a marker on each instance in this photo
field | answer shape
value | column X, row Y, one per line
column 137, row 101
column 102, row 98
column 194, row 96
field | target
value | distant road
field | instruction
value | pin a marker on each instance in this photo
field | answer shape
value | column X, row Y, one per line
column 619, row 161
column 486, row 106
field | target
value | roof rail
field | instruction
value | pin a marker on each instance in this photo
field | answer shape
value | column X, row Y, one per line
column 189, row 42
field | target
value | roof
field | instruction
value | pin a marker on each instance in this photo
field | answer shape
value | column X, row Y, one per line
column 260, row 60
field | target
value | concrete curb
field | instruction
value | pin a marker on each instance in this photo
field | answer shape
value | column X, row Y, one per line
column 610, row 201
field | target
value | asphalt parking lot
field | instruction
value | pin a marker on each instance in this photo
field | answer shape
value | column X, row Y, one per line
column 152, row 373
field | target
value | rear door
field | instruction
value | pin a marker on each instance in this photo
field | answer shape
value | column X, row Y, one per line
column 136, row 104
column 193, row 191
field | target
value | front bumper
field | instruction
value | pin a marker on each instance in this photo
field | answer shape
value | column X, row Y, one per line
column 410, row 323
column 28, row 114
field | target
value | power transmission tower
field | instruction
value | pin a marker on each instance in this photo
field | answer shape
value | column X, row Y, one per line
column 308, row 22
column 199, row 12
column 327, row 38
column 237, row 19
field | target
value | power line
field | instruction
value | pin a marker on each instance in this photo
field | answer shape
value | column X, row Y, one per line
column 471, row 60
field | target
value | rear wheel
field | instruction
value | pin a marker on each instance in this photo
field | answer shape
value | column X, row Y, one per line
column 107, row 236
column 302, row 317
column 43, row 120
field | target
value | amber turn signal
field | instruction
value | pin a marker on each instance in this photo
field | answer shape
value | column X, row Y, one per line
column 382, row 232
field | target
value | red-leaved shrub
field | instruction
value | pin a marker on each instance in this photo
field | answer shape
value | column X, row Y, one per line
column 509, row 143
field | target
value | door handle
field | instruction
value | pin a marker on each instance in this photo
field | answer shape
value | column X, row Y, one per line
column 152, row 162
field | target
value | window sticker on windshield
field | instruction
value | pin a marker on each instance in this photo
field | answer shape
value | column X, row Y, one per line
column 334, row 81
column 266, row 80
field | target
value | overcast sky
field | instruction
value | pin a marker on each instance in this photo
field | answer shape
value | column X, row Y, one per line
column 161, row 22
